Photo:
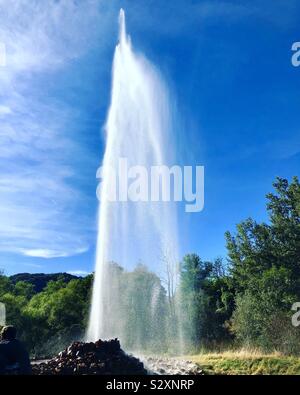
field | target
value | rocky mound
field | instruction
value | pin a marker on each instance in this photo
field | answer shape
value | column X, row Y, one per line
column 100, row 358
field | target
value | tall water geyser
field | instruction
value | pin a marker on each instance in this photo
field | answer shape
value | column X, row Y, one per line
column 139, row 130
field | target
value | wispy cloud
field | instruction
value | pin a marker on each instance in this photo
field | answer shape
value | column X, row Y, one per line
column 79, row 273
column 44, row 253
column 5, row 110
column 41, row 36
column 39, row 199
column 33, row 265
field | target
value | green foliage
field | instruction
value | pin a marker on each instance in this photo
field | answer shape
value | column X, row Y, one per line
column 250, row 300
column 40, row 280
column 265, row 269
column 205, row 301
column 144, row 304
column 244, row 363
column 142, row 311
column 59, row 308
column 5, row 285
column 24, row 289
column 39, row 317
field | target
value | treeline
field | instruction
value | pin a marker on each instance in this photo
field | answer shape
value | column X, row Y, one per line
column 250, row 303
column 49, row 319
column 245, row 301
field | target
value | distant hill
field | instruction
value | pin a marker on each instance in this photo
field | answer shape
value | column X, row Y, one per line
column 40, row 280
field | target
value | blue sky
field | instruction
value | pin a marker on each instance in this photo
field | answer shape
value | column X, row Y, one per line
column 228, row 66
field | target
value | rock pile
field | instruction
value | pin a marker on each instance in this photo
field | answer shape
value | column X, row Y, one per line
column 100, row 358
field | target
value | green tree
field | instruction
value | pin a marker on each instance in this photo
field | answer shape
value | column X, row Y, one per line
column 265, row 269
column 144, row 310
column 194, row 301
column 5, row 285
column 24, row 289
column 206, row 301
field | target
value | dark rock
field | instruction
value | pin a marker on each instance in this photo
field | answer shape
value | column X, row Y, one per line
column 99, row 358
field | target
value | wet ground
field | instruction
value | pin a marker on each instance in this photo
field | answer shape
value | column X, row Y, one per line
column 162, row 366
column 171, row 366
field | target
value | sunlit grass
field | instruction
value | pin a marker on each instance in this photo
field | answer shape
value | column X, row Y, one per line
column 247, row 362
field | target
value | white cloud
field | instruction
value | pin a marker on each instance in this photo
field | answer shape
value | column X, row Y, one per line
column 43, row 35
column 39, row 200
column 44, row 253
column 5, row 110
column 34, row 265
column 79, row 273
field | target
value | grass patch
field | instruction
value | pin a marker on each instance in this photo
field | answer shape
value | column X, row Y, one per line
column 245, row 362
